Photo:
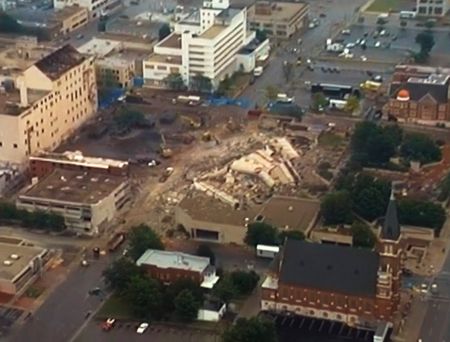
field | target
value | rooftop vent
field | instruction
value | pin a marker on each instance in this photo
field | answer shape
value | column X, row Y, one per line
column 290, row 208
column 94, row 179
column 7, row 262
column 15, row 256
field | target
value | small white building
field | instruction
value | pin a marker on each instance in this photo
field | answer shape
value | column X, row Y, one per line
column 212, row 311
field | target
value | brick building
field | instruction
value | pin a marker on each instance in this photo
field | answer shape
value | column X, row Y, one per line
column 355, row 286
column 420, row 94
column 168, row 267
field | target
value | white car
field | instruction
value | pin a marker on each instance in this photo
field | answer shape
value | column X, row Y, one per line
column 350, row 45
column 363, row 58
column 362, row 42
column 346, row 32
column 377, row 44
column 141, row 328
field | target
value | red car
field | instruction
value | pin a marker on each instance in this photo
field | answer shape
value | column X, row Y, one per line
column 108, row 324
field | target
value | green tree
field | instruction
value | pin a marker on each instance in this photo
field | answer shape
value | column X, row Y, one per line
column 336, row 208
column 244, row 282
column 119, row 273
column 319, row 101
column 261, row 233
column 426, row 41
column 271, row 92
column 206, row 251
column 261, row 35
column 369, row 203
column 186, row 306
column 164, row 31
column 403, row 24
column 224, row 289
column 429, row 24
column 251, row 330
column 421, row 213
column 201, row 83
column 363, row 236
column 141, row 238
column 174, row 81
column 419, row 147
column 352, row 104
column 291, row 234
column 145, row 296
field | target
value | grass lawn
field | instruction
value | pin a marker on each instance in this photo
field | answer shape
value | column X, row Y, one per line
column 384, row 6
column 329, row 139
column 116, row 307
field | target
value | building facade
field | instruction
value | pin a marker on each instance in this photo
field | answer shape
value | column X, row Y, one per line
column 432, row 8
column 48, row 102
column 168, row 266
column 96, row 8
column 354, row 286
column 114, row 72
column 88, row 201
column 420, row 94
column 278, row 19
column 203, row 44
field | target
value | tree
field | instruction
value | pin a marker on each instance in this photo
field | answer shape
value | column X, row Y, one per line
column 145, row 297
column 164, row 31
column 174, row 81
column 336, row 208
column 403, row 24
column 261, row 233
column 261, row 35
column 352, row 104
column 319, row 101
column 201, row 83
column 291, row 234
column 206, row 251
column 251, row 329
column 186, row 306
column 271, row 92
column 421, row 213
column 244, row 282
column 140, row 239
column 119, row 273
column 288, row 69
column 363, row 236
column 419, row 147
column 426, row 41
column 429, row 24
column 224, row 289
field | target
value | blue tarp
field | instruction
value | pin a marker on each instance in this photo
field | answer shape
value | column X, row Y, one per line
column 225, row 101
column 106, row 100
column 138, row 82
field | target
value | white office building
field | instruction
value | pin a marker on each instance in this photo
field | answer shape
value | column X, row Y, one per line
column 96, row 8
column 205, row 42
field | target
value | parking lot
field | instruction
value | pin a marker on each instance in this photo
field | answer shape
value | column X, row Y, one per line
column 155, row 333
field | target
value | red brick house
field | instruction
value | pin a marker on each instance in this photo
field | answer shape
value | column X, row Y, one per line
column 339, row 283
column 169, row 266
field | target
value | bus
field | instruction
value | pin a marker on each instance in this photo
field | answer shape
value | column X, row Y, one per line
column 334, row 91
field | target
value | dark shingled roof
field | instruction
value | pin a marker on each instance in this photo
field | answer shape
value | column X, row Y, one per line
column 418, row 90
column 60, row 61
column 329, row 268
column 391, row 227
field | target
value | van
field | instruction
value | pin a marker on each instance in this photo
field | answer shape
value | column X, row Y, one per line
column 407, row 14
column 383, row 16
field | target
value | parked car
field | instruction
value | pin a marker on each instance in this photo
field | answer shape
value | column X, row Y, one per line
column 142, row 328
column 109, row 324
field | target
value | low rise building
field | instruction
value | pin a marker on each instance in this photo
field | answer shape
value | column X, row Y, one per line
column 46, row 104
column 278, row 19
column 209, row 218
column 168, row 266
column 44, row 163
column 96, row 8
column 20, row 265
column 114, row 72
column 420, row 94
column 432, row 8
column 88, row 201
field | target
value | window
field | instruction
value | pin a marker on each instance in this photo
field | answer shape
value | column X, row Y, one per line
column 15, row 145
column 1, row 144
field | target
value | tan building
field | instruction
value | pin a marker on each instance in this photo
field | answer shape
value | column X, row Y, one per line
column 114, row 72
column 209, row 219
column 87, row 200
column 72, row 18
column 48, row 102
column 20, row 265
column 278, row 19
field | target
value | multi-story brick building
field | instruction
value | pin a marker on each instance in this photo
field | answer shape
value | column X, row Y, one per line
column 420, row 94
column 168, row 267
column 354, row 286
column 47, row 103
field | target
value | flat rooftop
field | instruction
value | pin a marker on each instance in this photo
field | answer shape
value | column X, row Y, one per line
column 290, row 212
column 212, row 32
column 173, row 41
column 166, row 59
column 177, row 260
column 77, row 158
column 277, row 11
column 74, row 186
column 10, row 101
column 99, row 47
column 205, row 208
column 14, row 258
column 60, row 61
column 114, row 62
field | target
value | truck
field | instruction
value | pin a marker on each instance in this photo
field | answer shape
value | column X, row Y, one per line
column 258, row 71
column 116, row 241
column 267, row 251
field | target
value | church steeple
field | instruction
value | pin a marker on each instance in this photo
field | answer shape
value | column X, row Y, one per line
column 391, row 227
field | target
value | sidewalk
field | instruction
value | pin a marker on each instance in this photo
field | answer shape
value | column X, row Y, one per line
column 410, row 329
